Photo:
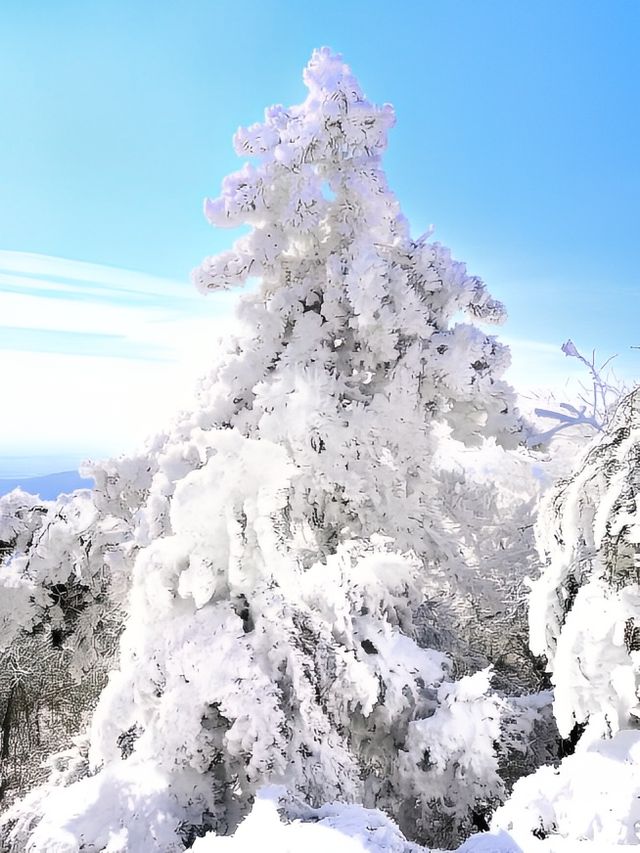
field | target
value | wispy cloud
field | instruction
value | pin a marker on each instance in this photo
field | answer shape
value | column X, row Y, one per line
column 95, row 310
column 79, row 343
column 94, row 358
column 530, row 346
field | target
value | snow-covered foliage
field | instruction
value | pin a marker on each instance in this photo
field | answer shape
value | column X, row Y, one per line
column 585, row 617
column 58, row 576
column 585, row 607
column 271, row 548
column 21, row 516
column 57, row 629
column 479, row 608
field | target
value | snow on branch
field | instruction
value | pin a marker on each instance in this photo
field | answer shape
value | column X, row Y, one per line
column 596, row 399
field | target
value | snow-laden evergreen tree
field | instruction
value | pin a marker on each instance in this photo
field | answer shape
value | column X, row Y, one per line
column 58, row 629
column 21, row 516
column 585, row 607
column 585, row 618
column 270, row 549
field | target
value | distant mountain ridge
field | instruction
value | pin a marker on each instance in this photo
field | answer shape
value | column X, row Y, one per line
column 48, row 486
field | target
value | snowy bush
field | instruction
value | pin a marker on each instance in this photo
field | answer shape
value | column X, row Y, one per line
column 56, row 630
column 479, row 607
column 21, row 518
column 585, row 607
column 585, row 611
column 21, row 515
column 270, row 550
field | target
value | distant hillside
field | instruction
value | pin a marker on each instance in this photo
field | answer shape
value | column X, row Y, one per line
column 48, row 486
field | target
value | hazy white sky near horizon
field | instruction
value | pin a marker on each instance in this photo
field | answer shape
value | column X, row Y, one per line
column 94, row 358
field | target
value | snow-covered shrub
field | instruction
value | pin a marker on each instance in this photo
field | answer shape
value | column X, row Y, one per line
column 479, row 606
column 585, row 607
column 585, row 617
column 21, row 518
column 21, row 515
column 271, row 548
column 56, row 630
column 59, row 580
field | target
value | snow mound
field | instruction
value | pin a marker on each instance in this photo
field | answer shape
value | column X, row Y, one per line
column 593, row 796
column 288, row 826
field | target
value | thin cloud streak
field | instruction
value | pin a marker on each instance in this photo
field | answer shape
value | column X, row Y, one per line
column 95, row 359
column 53, row 269
column 128, row 313
column 79, row 343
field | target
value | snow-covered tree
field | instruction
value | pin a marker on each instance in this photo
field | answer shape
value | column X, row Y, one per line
column 58, row 631
column 21, row 516
column 271, row 548
column 585, row 607
column 585, row 618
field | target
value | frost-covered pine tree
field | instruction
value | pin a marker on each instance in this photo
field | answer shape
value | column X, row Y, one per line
column 270, row 550
column 585, row 607
column 585, row 618
column 58, row 627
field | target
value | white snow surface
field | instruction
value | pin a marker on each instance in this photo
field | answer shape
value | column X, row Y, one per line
column 334, row 826
column 592, row 800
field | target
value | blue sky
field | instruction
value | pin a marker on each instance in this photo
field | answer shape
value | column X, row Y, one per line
column 517, row 136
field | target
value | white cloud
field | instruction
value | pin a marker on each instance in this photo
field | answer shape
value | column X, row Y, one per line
column 49, row 268
column 93, row 359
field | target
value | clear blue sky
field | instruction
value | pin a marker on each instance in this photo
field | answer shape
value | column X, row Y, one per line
column 517, row 134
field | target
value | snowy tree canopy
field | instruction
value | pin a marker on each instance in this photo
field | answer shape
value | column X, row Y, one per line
column 270, row 550
column 585, row 617
column 585, row 607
